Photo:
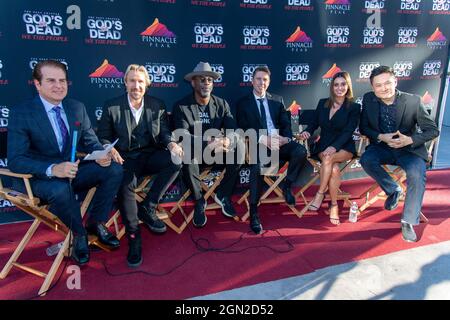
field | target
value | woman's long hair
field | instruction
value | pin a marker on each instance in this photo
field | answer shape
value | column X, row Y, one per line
column 348, row 96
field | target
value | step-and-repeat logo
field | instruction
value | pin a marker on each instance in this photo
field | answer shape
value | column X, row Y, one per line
column 373, row 38
column 374, row 6
column 326, row 78
column 294, row 109
column 437, row 40
column 407, row 37
column 157, row 35
column 440, row 7
column 256, row 4
column 107, row 76
column 4, row 115
column 255, row 38
column 209, row 3
column 338, row 6
column 338, row 37
column 302, row 5
column 208, row 36
column 296, row 74
column 402, row 69
column 432, row 69
column 365, row 68
column 219, row 68
column 410, row 7
column 247, row 71
column 43, row 26
column 299, row 41
column 104, row 30
column 428, row 102
column 34, row 61
column 162, row 75
column 3, row 80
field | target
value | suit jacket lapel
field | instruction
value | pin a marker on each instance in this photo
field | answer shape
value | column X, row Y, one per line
column 271, row 107
column 255, row 109
column 212, row 110
column 148, row 115
column 401, row 107
column 374, row 111
column 127, row 116
column 40, row 115
column 71, row 120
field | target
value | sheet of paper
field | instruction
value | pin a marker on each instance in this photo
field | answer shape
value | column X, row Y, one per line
column 100, row 154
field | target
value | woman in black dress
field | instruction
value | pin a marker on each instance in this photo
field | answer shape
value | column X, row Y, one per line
column 337, row 116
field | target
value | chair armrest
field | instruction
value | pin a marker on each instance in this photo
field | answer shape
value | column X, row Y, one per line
column 6, row 172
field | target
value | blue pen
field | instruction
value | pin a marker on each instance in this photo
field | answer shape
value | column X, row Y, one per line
column 74, row 145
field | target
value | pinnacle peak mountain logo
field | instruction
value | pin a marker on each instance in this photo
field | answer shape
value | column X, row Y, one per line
column 407, row 37
column 337, row 6
column 219, row 68
column 208, row 36
column 300, row 5
column 247, row 72
column 162, row 75
column 157, row 35
column 402, row 69
column 297, row 74
column 338, row 37
column 371, row 6
column 326, row 78
column 373, row 38
column 431, row 70
column 410, row 7
column 256, row 4
column 43, row 26
column 437, row 40
column 256, row 38
column 365, row 68
column 440, row 7
column 209, row 3
column 299, row 41
column 3, row 80
column 107, row 76
column 428, row 101
column 294, row 109
column 104, row 30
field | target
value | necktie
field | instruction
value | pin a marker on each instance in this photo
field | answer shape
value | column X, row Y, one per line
column 262, row 112
column 61, row 125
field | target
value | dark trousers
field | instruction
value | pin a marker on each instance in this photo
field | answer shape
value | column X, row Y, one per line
column 292, row 152
column 192, row 172
column 60, row 194
column 158, row 163
column 415, row 168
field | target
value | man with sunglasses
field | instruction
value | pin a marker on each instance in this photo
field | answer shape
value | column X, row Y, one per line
column 193, row 116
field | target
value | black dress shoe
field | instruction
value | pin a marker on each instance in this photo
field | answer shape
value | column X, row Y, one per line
column 227, row 207
column 134, row 257
column 147, row 214
column 255, row 224
column 288, row 196
column 392, row 200
column 408, row 232
column 80, row 250
column 200, row 219
column 103, row 234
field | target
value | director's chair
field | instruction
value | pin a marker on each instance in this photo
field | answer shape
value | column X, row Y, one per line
column 39, row 211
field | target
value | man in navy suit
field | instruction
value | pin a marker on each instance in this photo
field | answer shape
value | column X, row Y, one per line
column 40, row 134
column 398, row 127
column 261, row 110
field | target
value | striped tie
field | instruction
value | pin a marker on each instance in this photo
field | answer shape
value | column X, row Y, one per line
column 62, row 126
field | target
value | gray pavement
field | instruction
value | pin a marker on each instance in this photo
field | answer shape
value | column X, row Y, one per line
column 419, row 274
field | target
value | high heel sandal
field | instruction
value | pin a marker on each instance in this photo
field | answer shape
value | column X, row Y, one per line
column 313, row 207
column 334, row 214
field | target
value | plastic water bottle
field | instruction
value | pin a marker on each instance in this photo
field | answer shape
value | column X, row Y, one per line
column 54, row 249
column 353, row 215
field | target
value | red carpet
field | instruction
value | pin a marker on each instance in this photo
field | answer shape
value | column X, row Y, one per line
column 174, row 268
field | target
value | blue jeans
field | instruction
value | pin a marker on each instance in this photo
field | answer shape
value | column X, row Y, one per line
column 415, row 169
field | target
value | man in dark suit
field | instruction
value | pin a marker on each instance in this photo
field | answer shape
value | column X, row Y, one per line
column 195, row 116
column 390, row 118
column 139, row 121
column 266, row 113
column 40, row 133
